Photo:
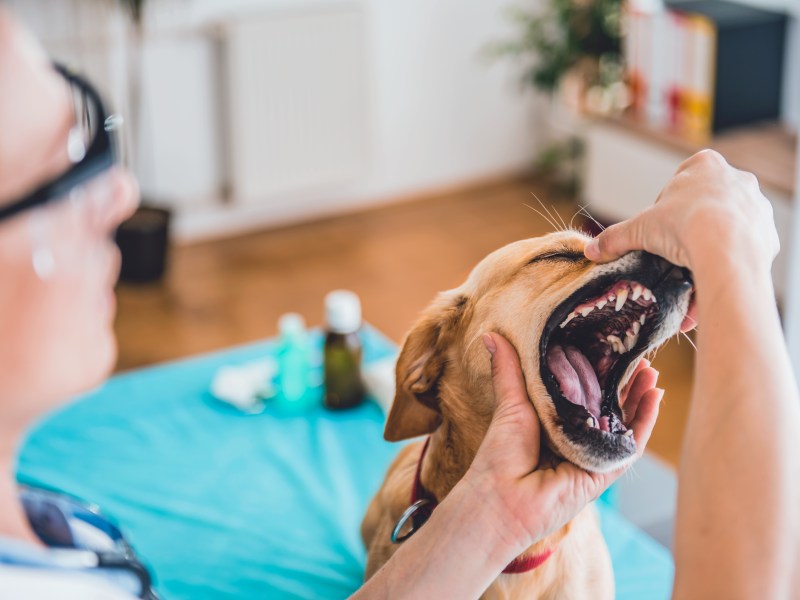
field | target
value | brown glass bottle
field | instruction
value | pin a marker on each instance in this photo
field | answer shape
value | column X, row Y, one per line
column 342, row 351
column 343, row 386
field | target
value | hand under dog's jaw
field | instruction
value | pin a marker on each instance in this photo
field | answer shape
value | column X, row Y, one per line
column 590, row 346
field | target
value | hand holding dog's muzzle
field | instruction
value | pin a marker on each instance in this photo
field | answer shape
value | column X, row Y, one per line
column 532, row 500
column 706, row 194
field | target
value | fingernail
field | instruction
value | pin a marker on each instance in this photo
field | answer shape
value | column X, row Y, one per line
column 592, row 250
column 661, row 395
column 489, row 343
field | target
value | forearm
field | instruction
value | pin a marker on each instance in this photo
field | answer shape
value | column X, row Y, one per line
column 739, row 495
column 457, row 554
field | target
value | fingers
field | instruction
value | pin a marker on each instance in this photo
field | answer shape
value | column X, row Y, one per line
column 642, row 382
column 645, row 418
column 615, row 241
column 511, row 444
column 642, row 364
column 507, row 379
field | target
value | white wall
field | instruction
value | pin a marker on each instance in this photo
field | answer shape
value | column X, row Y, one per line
column 438, row 114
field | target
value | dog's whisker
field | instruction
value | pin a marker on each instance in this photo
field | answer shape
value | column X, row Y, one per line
column 689, row 339
column 552, row 219
column 544, row 216
column 564, row 225
column 538, row 212
column 572, row 220
column 633, row 473
column 583, row 210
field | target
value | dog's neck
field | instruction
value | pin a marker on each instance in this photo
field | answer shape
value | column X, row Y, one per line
column 453, row 445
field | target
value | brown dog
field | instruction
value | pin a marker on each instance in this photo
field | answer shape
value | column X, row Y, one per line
column 579, row 329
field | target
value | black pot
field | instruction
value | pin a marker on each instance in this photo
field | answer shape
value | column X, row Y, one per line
column 143, row 241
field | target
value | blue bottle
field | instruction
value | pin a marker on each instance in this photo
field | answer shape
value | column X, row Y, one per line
column 294, row 363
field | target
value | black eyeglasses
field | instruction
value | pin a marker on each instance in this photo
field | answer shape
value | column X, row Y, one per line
column 90, row 146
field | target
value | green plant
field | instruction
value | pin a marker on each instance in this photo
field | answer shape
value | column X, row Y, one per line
column 557, row 38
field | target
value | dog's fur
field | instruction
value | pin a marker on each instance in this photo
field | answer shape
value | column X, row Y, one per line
column 444, row 388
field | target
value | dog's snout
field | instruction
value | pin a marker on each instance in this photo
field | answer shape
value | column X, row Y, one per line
column 666, row 272
column 681, row 276
column 659, row 265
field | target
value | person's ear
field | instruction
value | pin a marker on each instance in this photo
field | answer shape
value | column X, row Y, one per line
column 415, row 410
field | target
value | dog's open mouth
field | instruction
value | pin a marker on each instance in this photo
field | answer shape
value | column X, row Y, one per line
column 589, row 345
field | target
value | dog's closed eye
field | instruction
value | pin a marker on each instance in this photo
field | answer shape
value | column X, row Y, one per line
column 574, row 256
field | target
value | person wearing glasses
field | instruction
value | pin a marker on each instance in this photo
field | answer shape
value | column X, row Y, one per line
column 738, row 527
column 61, row 197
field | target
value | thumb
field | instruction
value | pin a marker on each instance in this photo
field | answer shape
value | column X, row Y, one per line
column 513, row 438
column 615, row 241
column 507, row 379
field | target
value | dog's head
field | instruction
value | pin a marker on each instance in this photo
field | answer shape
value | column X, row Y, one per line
column 579, row 329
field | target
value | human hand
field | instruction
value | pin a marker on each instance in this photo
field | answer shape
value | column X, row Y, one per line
column 708, row 210
column 531, row 501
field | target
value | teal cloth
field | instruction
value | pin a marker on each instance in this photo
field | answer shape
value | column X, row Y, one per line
column 226, row 505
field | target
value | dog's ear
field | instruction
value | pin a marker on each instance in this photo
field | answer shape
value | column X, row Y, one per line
column 415, row 410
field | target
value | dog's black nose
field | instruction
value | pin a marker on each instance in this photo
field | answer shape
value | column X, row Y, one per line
column 667, row 272
column 681, row 276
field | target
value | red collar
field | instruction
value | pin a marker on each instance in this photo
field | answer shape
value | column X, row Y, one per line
column 521, row 564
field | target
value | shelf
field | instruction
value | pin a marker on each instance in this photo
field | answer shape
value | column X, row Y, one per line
column 768, row 150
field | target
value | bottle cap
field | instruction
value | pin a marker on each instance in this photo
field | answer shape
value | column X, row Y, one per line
column 342, row 311
column 291, row 324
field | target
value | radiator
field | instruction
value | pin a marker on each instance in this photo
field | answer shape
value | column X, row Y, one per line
column 294, row 102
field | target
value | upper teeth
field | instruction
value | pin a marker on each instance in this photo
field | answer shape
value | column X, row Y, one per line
column 619, row 296
column 622, row 296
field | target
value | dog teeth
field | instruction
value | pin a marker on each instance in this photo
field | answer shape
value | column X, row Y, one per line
column 618, row 297
column 630, row 340
column 616, row 343
column 636, row 326
column 591, row 422
column 571, row 316
column 628, row 433
column 622, row 296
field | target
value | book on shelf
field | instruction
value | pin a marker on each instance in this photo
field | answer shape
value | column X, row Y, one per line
column 696, row 67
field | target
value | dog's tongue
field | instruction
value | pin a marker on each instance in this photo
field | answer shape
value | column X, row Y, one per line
column 576, row 377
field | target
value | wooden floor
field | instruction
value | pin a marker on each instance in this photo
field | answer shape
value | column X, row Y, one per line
column 228, row 292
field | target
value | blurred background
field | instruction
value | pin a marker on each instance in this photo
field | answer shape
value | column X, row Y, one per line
column 294, row 147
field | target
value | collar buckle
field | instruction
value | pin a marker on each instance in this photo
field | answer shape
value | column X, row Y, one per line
column 418, row 513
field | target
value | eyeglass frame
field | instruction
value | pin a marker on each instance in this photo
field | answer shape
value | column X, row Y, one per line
column 100, row 155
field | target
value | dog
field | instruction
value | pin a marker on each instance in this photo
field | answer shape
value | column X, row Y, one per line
column 579, row 328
